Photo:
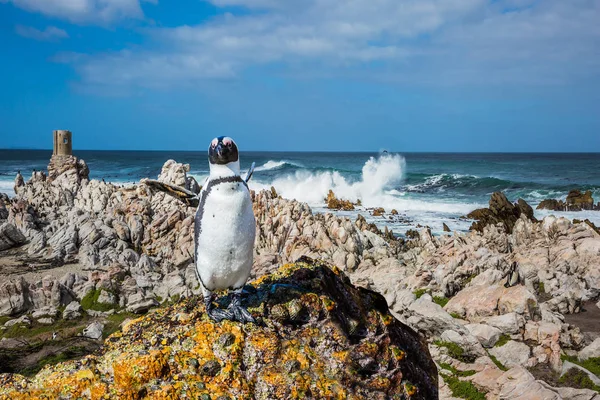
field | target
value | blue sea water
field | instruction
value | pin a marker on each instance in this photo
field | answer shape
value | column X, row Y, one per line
column 425, row 188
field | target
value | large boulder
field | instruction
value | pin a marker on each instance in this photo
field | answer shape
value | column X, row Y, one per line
column 14, row 297
column 500, row 211
column 319, row 337
column 512, row 354
column 10, row 236
column 577, row 201
column 590, row 351
column 480, row 301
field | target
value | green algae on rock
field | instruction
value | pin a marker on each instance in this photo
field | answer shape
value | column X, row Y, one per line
column 318, row 337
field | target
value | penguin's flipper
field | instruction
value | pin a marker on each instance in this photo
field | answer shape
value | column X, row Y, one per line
column 250, row 172
column 182, row 194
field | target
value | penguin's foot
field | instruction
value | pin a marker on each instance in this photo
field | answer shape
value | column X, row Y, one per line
column 238, row 312
column 216, row 314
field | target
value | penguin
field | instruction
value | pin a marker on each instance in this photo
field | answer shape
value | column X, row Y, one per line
column 513, row 276
column 224, row 232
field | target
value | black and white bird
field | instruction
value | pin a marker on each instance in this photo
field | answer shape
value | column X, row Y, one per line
column 224, row 228
column 224, row 231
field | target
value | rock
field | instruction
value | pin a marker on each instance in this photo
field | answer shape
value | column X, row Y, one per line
column 19, row 181
column 107, row 298
column 46, row 321
column 47, row 311
column 484, row 301
column 445, row 227
column 567, row 366
column 137, row 304
column 507, row 323
column 577, row 394
column 334, row 203
column 466, row 341
column 526, row 209
column 10, row 236
column 23, row 320
column 379, row 211
column 512, row 354
column 577, row 201
column 343, row 343
column 487, row 335
column 14, row 297
column 93, row 330
column 429, row 318
column 592, row 350
column 500, row 211
column 518, row 384
column 552, row 205
column 72, row 311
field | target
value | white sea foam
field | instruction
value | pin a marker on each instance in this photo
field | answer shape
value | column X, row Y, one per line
column 7, row 186
column 376, row 188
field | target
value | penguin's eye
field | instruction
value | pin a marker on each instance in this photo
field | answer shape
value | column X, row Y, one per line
column 214, row 143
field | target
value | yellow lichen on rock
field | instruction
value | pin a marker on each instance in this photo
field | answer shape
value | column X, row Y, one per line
column 318, row 337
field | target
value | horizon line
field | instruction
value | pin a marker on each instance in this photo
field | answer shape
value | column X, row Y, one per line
column 320, row 151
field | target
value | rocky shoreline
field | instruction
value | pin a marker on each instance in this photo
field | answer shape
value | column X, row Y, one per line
column 124, row 251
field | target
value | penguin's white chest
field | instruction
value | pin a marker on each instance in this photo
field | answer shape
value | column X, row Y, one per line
column 225, row 238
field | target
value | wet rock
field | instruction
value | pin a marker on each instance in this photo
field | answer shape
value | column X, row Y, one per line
column 446, row 228
column 552, row 205
column 334, row 203
column 577, row 201
column 500, row 211
column 392, row 358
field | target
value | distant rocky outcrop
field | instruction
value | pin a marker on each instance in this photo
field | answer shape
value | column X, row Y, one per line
column 500, row 211
column 576, row 201
column 333, row 203
column 320, row 337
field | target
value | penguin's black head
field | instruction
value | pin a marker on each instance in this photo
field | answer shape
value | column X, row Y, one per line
column 222, row 150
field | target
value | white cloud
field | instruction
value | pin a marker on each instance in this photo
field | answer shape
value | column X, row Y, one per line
column 410, row 41
column 50, row 34
column 84, row 11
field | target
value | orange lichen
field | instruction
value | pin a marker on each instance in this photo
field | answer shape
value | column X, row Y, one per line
column 131, row 373
column 311, row 351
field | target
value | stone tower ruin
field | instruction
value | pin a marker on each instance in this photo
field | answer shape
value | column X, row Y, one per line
column 63, row 143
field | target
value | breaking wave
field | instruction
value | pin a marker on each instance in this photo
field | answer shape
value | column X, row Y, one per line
column 275, row 165
column 378, row 185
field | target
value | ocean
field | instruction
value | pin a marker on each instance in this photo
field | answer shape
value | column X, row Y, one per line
column 427, row 189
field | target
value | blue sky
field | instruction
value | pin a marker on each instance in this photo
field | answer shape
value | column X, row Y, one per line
column 406, row 75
